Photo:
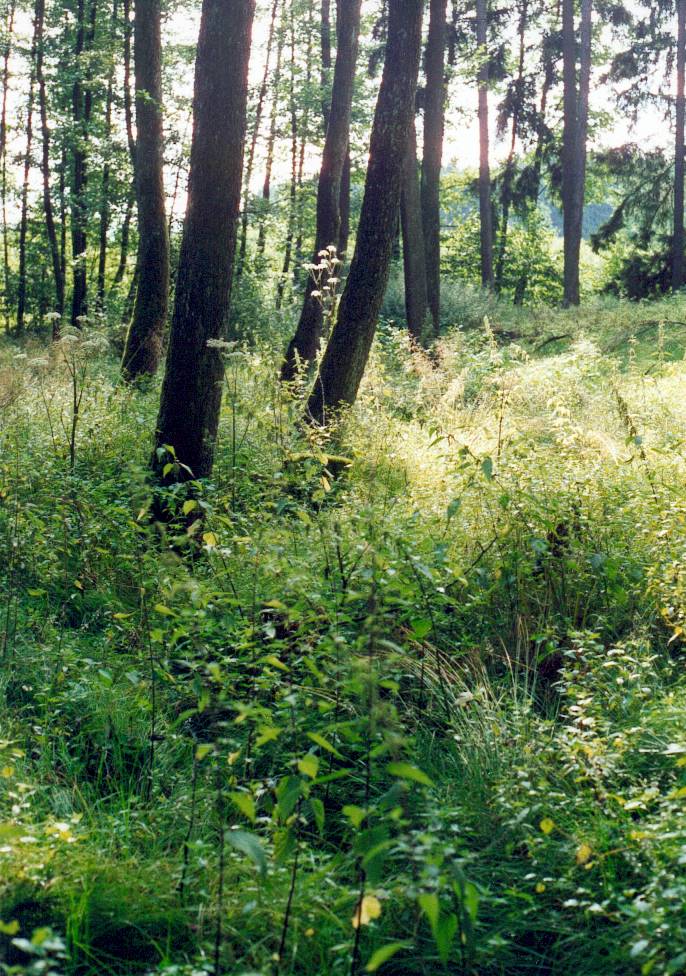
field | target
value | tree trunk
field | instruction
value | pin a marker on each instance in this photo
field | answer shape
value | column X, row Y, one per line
column 106, row 172
column 575, row 105
column 416, row 300
column 485, row 208
column 146, row 334
column 434, row 124
column 305, row 344
column 250, row 160
column 271, row 140
column 678, row 247
column 81, row 105
column 508, row 175
column 24, row 220
column 50, row 226
column 325, row 37
column 192, row 388
column 347, row 353
column 3, row 138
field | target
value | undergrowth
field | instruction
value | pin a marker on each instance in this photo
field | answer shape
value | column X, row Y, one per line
column 416, row 709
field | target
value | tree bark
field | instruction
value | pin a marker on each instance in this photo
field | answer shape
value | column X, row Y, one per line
column 24, row 220
column 146, row 334
column 81, row 108
column 271, row 140
column 434, row 124
column 325, row 38
column 106, row 172
column 575, row 107
column 346, row 355
column 192, row 388
column 305, row 344
column 3, row 138
column 48, row 209
column 485, row 208
column 250, row 160
column 414, row 266
column 509, row 173
column 678, row 246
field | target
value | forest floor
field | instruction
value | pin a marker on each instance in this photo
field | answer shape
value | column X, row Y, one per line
column 421, row 712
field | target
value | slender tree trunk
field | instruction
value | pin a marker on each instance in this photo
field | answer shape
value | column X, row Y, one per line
column 125, row 237
column 24, row 220
column 325, row 37
column 192, row 388
column 485, row 208
column 508, row 175
column 50, row 225
column 434, row 124
column 416, row 300
column 575, row 105
column 293, row 193
column 81, row 104
column 106, row 173
column 346, row 355
column 305, row 344
column 344, row 232
column 271, row 140
column 250, row 159
column 63, row 215
column 7, row 51
column 146, row 334
column 678, row 247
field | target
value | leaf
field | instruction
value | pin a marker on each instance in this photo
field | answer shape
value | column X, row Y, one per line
column 368, row 909
column 324, row 743
column 249, row 844
column 189, row 506
column 203, row 750
column 245, row 803
column 309, row 765
column 404, row 770
column 583, row 853
column 420, row 627
column 273, row 660
column 431, row 907
column 547, row 825
column 210, row 539
column 354, row 814
column 318, row 813
column 165, row 611
column 487, row 468
column 444, row 935
column 9, row 928
column 383, row 954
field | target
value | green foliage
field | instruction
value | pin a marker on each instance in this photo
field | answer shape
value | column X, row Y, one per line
column 405, row 702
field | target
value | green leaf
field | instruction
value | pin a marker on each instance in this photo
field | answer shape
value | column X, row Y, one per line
column 245, row 803
column 309, row 765
column 354, row 814
column 203, row 750
column 249, row 844
column 165, row 611
column 404, row 770
column 430, row 905
column 383, row 954
column 318, row 813
column 420, row 627
column 9, row 928
column 189, row 505
column 487, row 468
column 444, row 935
column 319, row 740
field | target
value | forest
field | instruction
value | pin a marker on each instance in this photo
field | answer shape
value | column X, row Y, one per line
column 342, row 522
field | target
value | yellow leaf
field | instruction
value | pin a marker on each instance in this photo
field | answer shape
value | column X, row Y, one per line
column 78, row 584
column 210, row 539
column 540, row 888
column 680, row 793
column 6, row 772
column 583, row 853
column 547, row 825
column 368, row 909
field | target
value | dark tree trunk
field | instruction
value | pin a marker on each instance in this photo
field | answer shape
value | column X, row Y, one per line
column 305, row 343
column 344, row 232
column 678, row 250
column 347, row 353
column 192, row 388
column 146, row 334
column 3, row 138
column 325, row 36
column 416, row 301
column 48, row 209
column 271, row 141
column 434, row 124
column 543, row 135
column 250, row 159
column 485, row 208
column 509, row 173
column 24, row 220
column 81, row 108
column 106, row 173
column 575, row 104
